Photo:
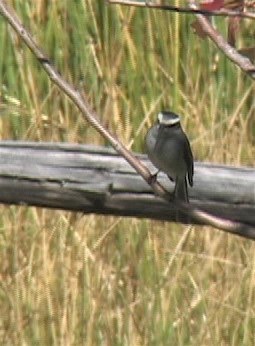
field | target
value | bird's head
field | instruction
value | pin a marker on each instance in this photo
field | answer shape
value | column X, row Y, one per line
column 166, row 118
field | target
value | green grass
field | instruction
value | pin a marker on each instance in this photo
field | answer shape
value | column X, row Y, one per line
column 70, row 279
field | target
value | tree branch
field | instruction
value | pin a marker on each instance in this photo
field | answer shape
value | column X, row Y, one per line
column 184, row 10
column 231, row 53
column 240, row 60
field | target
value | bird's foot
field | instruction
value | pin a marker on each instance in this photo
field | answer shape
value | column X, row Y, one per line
column 153, row 178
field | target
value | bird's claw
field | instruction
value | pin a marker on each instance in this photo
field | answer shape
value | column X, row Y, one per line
column 152, row 178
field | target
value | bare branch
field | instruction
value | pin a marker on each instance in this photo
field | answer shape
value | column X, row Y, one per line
column 185, row 10
column 240, row 60
column 243, row 62
column 90, row 116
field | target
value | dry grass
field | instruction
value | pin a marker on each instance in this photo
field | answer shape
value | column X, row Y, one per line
column 70, row 279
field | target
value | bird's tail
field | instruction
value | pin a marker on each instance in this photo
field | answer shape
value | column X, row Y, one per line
column 181, row 190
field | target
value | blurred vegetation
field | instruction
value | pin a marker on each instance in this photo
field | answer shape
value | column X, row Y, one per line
column 70, row 279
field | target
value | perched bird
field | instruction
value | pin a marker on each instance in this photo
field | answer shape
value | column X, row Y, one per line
column 169, row 150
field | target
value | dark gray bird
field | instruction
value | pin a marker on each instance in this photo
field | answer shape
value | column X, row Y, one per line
column 169, row 150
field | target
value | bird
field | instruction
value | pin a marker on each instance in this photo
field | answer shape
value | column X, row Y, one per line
column 169, row 150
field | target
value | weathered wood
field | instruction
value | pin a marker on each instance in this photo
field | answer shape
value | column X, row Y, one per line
column 97, row 180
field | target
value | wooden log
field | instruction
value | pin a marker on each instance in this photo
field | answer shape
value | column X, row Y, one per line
column 95, row 179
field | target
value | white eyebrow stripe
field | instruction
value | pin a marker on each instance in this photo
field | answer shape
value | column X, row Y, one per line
column 168, row 122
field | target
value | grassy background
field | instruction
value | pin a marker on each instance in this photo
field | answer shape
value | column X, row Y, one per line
column 69, row 279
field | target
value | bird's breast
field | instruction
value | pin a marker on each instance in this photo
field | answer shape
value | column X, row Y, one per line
column 166, row 152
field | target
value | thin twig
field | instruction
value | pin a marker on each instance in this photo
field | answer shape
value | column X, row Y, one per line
column 185, row 10
column 240, row 60
column 89, row 115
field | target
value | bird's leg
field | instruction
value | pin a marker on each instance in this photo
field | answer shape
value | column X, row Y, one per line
column 153, row 177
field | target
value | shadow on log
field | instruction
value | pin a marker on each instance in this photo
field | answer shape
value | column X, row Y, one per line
column 94, row 179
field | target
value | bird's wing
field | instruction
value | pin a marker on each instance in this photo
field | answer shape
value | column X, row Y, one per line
column 188, row 157
column 159, row 138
